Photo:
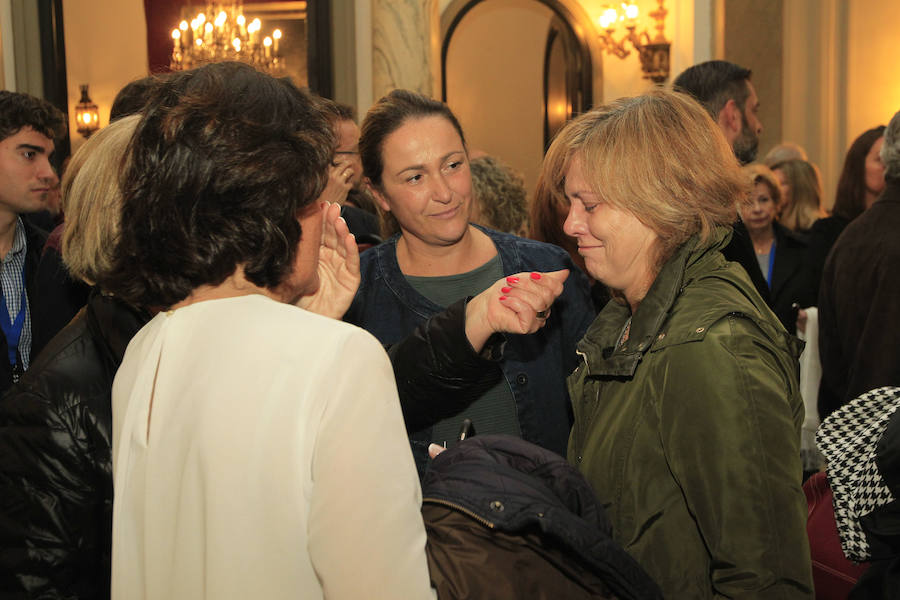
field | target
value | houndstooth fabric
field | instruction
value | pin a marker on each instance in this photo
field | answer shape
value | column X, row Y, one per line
column 848, row 439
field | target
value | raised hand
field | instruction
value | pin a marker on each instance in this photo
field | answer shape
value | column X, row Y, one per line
column 520, row 303
column 340, row 181
column 338, row 267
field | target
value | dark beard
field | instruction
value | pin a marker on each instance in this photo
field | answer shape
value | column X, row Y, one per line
column 746, row 144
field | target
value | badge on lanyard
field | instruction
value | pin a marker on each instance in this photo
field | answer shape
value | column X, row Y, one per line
column 12, row 329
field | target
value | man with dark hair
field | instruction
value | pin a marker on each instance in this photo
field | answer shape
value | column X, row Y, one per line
column 28, row 128
column 345, row 181
column 725, row 91
column 133, row 96
column 346, row 153
column 859, row 313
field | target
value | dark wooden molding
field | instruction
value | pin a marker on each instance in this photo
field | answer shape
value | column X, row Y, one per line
column 319, row 53
column 53, row 66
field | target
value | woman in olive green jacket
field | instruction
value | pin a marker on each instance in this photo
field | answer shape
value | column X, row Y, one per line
column 687, row 408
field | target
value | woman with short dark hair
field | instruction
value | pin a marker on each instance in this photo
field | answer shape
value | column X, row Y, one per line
column 247, row 463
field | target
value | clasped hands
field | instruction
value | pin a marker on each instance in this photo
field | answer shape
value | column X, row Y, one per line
column 520, row 303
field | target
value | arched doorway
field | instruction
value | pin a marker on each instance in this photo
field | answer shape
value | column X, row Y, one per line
column 514, row 71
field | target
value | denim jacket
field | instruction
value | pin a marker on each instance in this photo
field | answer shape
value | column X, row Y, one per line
column 535, row 366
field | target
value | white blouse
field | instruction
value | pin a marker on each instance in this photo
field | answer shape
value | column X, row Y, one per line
column 259, row 451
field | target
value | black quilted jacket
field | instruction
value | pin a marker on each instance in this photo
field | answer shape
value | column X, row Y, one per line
column 55, row 459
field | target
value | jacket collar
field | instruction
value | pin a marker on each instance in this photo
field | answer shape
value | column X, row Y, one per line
column 597, row 348
column 891, row 193
column 388, row 269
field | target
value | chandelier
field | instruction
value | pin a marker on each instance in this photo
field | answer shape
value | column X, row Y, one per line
column 218, row 34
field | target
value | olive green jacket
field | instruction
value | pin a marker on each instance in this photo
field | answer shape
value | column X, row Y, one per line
column 689, row 432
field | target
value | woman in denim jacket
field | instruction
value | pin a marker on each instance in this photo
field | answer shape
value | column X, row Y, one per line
column 416, row 166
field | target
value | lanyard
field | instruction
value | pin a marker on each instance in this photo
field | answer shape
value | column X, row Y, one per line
column 771, row 263
column 12, row 329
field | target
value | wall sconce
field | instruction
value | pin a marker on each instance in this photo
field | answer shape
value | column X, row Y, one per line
column 654, row 53
column 87, row 117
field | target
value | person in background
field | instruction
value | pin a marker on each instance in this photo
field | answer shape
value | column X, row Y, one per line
column 801, row 194
column 546, row 216
column 56, row 423
column 59, row 296
column 858, row 311
column 687, row 404
column 345, row 176
column 861, row 182
column 247, row 461
column 784, row 151
column 500, row 198
column 861, row 443
column 724, row 89
column 346, row 167
column 28, row 128
column 416, row 165
column 779, row 251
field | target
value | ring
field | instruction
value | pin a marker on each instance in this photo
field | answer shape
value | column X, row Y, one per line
column 543, row 314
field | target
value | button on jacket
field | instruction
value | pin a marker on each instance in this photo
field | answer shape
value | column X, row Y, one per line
column 689, row 432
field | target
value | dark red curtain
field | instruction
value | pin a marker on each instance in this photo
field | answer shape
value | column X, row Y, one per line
column 163, row 16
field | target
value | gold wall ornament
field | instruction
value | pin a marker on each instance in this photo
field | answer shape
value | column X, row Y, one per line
column 653, row 52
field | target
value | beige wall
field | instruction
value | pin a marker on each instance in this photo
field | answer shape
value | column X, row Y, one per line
column 495, row 81
column 873, row 79
column 7, row 60
column 839, row 76
column 623, row 76
column 26, row 48
column 106, row 47
column 753, row 39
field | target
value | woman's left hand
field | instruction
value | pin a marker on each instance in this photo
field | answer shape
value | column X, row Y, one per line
column 518, row 304
column 338, row 267
column 340, row 182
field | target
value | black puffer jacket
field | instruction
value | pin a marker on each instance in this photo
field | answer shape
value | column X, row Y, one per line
column 56, row 462
column 508, row 519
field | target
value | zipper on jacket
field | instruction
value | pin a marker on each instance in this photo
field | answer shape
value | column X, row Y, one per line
column 461, row 509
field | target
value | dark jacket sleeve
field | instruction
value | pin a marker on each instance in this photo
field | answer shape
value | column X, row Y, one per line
column 740, row 250
column 58, row 298
column 438, row 372
column 54, row 532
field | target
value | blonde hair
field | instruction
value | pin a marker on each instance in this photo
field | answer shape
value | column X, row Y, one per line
column 804, row 208
column 760, row 173
column 658, row 156
column 92, row 201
